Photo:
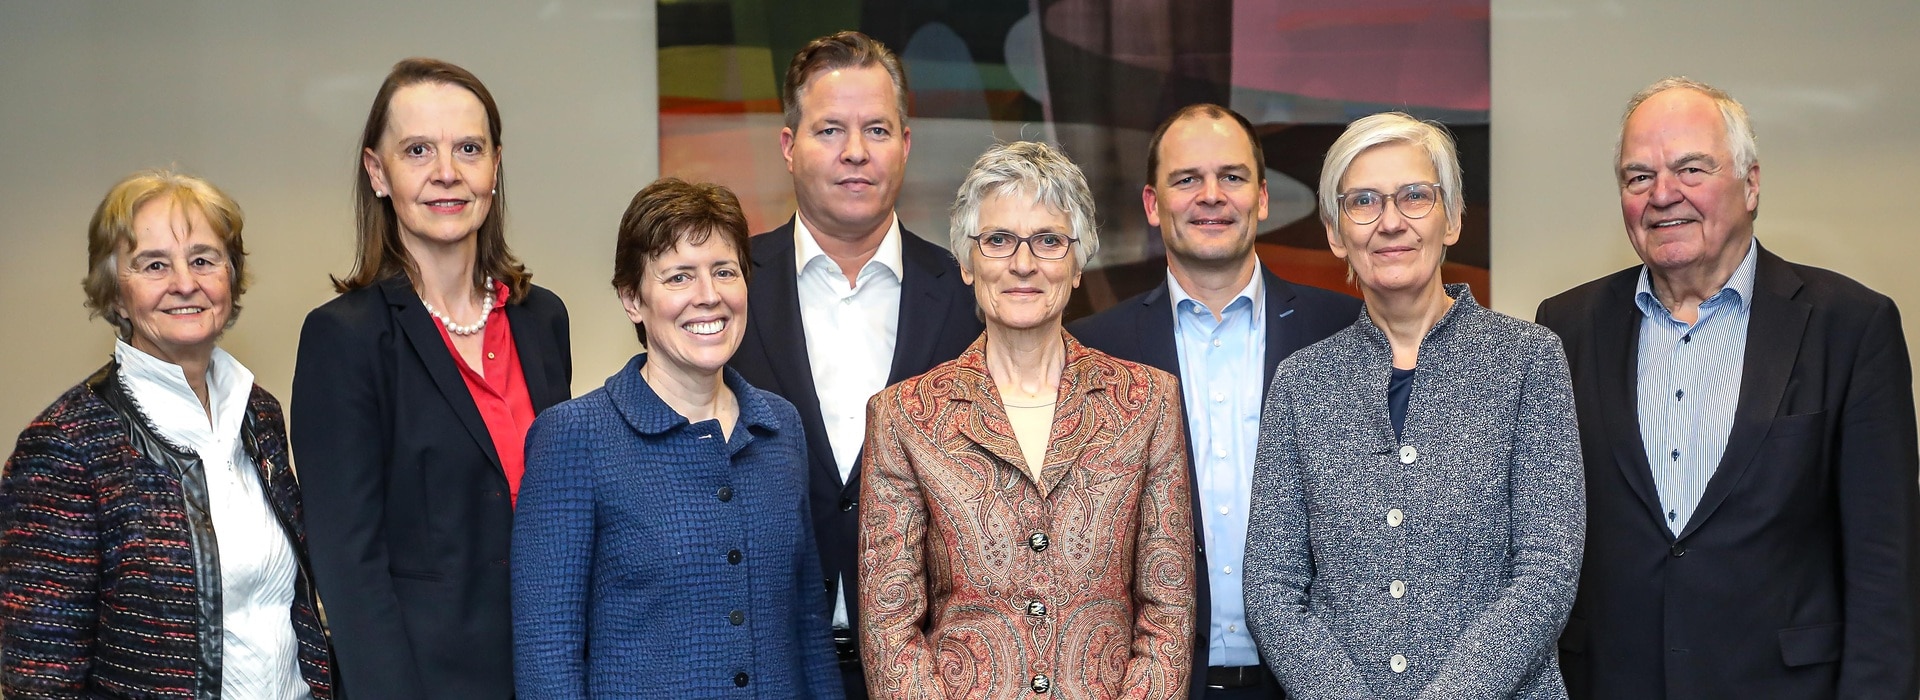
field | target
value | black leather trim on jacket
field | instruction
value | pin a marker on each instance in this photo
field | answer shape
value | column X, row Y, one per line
column 148, row 442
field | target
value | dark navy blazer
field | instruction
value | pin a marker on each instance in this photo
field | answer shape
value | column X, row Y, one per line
column 937, row 323
column 408, row 517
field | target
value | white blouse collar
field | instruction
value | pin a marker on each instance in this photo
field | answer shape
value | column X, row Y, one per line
column 161, row 390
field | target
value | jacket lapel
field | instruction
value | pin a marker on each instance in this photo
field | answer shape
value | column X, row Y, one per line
column 1774, row 331
column 529, row 343
column 1616, row 339
column 985, row 424
column 438, row 360
column 923, row 306
column 1067, row 438
column 1153, row 329
column 774, row 318
column 1282, row 337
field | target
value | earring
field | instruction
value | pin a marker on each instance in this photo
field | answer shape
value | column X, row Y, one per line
column 496, row 191
column 378, row 193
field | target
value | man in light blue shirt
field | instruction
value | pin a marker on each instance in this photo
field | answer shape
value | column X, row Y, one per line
column 1748, row 432
column 1221, row 322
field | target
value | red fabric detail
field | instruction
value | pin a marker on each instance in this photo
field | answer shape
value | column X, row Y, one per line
column 501, row 392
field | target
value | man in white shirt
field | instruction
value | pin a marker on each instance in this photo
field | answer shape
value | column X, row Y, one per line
column 843, row 301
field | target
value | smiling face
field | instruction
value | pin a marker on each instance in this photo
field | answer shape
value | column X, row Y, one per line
column 1683, row 200
column 1207, row 197
column 1021, row 292
column 436, row 163
column 692, row 301
column 849, row 152
column 1394, row 253
column 175, row 283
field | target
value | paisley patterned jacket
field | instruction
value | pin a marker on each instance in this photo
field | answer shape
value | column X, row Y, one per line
column 978, row 582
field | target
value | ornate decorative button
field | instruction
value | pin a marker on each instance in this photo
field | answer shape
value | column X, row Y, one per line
column 1041, row 684
column 1036, row 608
column 1038, row 541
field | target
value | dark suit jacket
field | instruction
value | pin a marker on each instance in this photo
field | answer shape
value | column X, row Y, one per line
column 1141, row 330
column 937, row 323
column 407, row 509
column 1796, row 576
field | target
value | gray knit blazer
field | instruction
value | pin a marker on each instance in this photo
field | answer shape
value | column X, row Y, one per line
column 1438, row 566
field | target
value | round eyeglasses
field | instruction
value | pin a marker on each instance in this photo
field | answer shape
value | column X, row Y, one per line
column 1365, row 206
column 1045, row 246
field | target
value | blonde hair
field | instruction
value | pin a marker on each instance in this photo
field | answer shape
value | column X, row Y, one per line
column 111, row 231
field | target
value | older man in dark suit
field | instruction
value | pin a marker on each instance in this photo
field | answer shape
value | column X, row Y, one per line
column 1749, row 438
column 1221, row 323
column 843, row 301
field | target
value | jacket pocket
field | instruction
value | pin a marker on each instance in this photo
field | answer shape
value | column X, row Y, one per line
column 1813, row 644
column 414, row 575
column 1573, row 639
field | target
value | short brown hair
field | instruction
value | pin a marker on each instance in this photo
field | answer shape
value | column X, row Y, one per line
column 663, row 215
column 378, row 252
column 111, row 231
column 847, row 49
column 1210, row 111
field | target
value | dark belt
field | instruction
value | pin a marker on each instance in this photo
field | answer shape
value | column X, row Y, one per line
column 845, row 646
column 1225, row 677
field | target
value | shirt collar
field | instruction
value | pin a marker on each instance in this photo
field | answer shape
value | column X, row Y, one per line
column 807, row 249
column 1739, row 286
column 647, row 413
column 166, row 399
column 1178, row 295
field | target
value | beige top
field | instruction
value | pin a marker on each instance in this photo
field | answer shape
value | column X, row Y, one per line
column 1032, row 425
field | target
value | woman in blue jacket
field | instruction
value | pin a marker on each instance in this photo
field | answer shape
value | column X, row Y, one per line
column 662, row 546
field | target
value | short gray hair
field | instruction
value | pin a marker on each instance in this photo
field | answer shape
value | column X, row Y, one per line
column 1382, row 129
column 1746, row 151
column 1025, row 167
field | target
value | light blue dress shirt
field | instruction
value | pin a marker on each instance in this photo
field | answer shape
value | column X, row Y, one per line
column 1221, row 382
column 1689, row 384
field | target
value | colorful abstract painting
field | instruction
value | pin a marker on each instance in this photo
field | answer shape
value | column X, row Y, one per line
column 1094, row 77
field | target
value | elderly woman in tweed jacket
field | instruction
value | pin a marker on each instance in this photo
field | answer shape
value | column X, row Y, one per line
column 1417, row 499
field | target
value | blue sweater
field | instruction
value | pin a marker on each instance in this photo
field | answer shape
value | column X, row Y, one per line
column 653, row 558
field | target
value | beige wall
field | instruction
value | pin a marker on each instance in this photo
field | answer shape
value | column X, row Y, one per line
column 266, row 100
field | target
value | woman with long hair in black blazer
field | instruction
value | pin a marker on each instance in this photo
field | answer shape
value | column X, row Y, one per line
column 412, row 396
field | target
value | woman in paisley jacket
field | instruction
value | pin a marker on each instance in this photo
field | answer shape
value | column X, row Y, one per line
column 1026, row 519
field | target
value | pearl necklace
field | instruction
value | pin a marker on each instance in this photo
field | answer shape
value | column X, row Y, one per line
column 486, row 309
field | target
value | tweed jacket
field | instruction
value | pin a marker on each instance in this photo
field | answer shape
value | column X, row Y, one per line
column 654, row 558
column 1438, row 565
column 109, row 573
column 978, row 582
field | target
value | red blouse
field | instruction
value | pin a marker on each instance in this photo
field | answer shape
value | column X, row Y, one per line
column 500, row 393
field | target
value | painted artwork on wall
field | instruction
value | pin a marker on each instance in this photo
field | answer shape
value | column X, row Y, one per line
column 1095, row 77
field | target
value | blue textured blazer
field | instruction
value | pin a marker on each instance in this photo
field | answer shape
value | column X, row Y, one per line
column 654, row 558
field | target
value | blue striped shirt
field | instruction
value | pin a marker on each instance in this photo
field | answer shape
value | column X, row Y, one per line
column 1689, row 384
column 1222, row 365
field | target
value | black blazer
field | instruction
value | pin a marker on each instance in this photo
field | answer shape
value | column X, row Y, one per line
column 1796, row 576
column 937, row 323
column 407, row 514
column 1141, row 330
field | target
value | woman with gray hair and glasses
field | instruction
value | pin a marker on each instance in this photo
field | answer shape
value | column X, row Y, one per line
column 1417, row 496
column 1027, row 523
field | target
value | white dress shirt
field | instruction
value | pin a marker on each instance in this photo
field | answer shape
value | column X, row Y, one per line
column 259, row 657
column 850, row 331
